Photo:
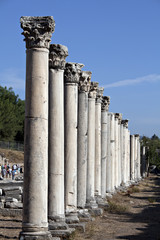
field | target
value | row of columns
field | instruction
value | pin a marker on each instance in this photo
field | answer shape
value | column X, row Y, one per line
column 77, row 152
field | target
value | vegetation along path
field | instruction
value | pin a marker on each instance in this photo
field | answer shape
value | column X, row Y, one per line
column 133, row 215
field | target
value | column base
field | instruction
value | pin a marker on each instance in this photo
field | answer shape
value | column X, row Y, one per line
column 72, row 217
column 91, row 204
column 35, row 235
column 84, row 215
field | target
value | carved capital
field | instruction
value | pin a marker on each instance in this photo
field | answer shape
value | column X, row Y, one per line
column 72, row 72
column 119, row 117
column 57, row 56
column 93, row 90
column 99, row 94
column 85, row 81
column 125, row 123
column 136, row 135
column 37, row 31
column 105, row 103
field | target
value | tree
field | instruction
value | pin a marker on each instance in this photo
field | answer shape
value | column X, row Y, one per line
column 11, row 115
column 153, row 149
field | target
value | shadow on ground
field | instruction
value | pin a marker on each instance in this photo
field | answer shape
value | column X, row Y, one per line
column 150, row 215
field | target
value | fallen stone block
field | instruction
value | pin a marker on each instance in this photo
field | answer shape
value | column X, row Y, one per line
column 16, row 205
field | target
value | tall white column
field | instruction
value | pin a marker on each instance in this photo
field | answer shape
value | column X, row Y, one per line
column 98, row 141
column 143, row 172
column 116, row 150
column 122, row 151
column 139, row 157
column 119, row 116
column 136, row 158
column 108, row 161
column 112, row 150
column 128, row 157
column 91, row 145
column 104, row 133
column 84, row 87
column 125, row 150
column 132, row 146
column 37, row 32
column 57, row 56
column 71, row 78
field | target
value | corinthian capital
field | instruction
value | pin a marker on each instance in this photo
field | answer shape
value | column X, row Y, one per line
column 105, row 103
column 93, row 90
column 99, row 94
column 72, row 72
column 37, row 31
column 57, row 56
column 85, row 81
column 119, row 117
column 125, row 123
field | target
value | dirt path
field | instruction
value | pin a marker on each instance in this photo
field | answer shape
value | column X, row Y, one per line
column 134, row 215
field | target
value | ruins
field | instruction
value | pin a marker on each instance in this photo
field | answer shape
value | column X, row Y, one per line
column 76, row 151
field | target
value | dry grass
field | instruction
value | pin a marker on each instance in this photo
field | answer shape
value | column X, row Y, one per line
column 116, row 208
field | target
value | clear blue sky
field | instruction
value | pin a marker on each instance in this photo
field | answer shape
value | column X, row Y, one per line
column 118, row 40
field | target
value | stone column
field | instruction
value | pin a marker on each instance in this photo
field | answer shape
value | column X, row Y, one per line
column 91, row 146
column 108, row 161
column 98, row 142
column 135, row 158
column 71, row 78
column 125, row 150
column 37, row 32
column 104, row 122
column 84, row 87
column 132, row 145
column 128, row 157
column 139, row 157
column 119, row 149
column 112, row 151
column 122, row 152
column 116, row 160
column 143, row 171
column 57, row 56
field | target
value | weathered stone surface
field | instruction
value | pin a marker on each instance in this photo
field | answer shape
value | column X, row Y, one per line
column 63, row 234
column 36, row 235
column 16, row 205
column 57, row 56
column 78, row 226
column 96, row 211
column 37, row 31
column 58, row 226
column 10, row 212
column 72, row 72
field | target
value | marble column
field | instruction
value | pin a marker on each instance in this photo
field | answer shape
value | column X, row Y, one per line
column 132, row 152
column 143, row 168
column 112, row 150
column 116, row 160
column 122, row 153
column 57, row 56
column 104, row 122
column 119, row 149
column 91, row 146
column 125, row 150
column 128, row 158
column 84, row 87
column 98, row 142
column 108, row 161
column 71, row 79
column 37, row 32
column 139, row 157
column 136, row 157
